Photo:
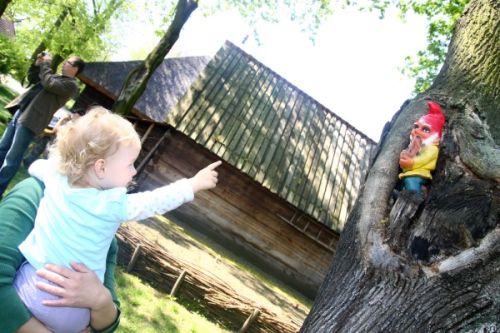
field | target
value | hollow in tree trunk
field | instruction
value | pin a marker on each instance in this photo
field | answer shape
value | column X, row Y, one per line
column 431, row 265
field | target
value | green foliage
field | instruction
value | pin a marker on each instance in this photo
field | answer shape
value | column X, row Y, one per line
column 6, row 95
column 63, row 27
column 423, row 67
column 308, row 14
column 11, row 58
column 85, row 29
column 441, row 16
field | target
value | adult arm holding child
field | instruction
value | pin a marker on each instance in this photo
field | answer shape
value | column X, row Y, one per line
column 18, row 210
column 83, row 205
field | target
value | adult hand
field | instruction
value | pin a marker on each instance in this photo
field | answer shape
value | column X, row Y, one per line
column 43, row 58
column 205, row 178
column 79, row 287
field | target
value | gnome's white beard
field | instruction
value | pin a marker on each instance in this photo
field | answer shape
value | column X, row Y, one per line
column 430, row 140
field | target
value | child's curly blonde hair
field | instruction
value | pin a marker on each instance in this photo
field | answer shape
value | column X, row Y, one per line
column 96, row 135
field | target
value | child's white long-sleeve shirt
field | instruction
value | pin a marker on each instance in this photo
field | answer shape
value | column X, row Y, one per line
column 78, row 224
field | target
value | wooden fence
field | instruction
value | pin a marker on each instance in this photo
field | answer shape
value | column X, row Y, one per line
column 222, row 304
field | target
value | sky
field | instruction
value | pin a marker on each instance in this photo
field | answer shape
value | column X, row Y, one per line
column 354, row 67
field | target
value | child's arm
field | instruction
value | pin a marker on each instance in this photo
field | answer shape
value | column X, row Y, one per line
column 163, row 199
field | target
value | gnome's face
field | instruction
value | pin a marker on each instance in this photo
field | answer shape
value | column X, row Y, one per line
column 424, row 133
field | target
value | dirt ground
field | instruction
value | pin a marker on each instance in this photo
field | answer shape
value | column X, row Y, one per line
column 183, row 242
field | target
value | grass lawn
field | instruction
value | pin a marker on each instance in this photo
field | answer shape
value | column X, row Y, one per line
column 143, row 308
column 146, row 310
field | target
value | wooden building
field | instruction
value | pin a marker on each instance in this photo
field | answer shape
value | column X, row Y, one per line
column 291, row 171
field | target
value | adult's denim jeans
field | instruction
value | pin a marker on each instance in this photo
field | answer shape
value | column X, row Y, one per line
column 14, row 142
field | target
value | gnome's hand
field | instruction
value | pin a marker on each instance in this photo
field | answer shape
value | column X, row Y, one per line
column 415, row 146
column 405, row 160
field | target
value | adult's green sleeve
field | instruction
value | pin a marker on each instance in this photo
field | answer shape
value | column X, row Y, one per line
column 109, row 282
column 17, row 217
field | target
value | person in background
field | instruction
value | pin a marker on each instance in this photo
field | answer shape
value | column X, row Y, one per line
column 85, row 201
column 42, row 141
column 33, row 111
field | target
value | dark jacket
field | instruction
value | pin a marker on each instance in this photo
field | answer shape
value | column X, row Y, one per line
column 38, row 107
column 22, row 101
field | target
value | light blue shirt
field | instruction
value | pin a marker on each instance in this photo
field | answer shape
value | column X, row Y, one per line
column 78, row 224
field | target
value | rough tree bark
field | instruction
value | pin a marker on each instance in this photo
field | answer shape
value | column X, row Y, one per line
column 431, row 266
column 137, row 79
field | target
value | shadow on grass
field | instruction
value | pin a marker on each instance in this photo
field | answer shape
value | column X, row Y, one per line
column 170, row 230
column 263, row 284
column 140, row 312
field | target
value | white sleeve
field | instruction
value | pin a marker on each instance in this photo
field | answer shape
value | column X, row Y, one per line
column 39, row 168
column 159, row 201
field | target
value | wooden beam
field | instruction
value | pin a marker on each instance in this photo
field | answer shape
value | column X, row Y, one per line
column 148, row 131
column 150, row 154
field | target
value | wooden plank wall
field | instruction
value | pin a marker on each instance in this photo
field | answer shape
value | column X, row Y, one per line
column 241, row 214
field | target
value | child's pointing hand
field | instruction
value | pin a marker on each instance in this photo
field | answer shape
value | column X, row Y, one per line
column 206, row 178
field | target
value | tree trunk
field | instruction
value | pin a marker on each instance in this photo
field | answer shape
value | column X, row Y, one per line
column 138, row 78
column 3, row 6
column 431, row 266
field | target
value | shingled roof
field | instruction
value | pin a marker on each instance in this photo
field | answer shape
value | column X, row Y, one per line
column 167, row 85
column 268, row 128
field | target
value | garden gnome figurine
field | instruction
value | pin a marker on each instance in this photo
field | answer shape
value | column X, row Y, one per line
column 419, row 159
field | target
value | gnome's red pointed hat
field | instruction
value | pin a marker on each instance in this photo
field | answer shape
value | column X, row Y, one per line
column 435, row 118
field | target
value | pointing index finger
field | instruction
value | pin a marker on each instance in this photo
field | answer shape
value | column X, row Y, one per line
column 214, row 165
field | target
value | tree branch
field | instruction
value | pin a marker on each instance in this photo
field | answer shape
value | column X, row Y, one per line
column 136, row 81
column 489, row 246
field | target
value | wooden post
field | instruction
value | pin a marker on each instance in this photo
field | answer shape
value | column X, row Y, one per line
column 148, row 131
column 178, row 283
column 150, row 154
column 331, row 243
column 249, row 321
column 135, row 255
